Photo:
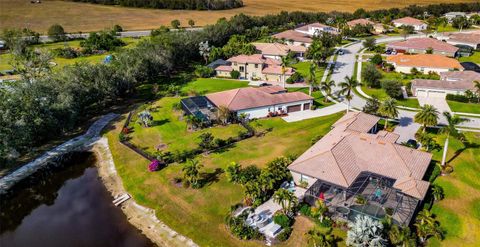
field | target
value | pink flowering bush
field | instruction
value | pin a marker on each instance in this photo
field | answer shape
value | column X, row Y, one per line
column 154, row 166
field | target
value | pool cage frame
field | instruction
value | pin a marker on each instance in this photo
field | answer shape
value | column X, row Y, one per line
column 343, row 203
column 200, row 107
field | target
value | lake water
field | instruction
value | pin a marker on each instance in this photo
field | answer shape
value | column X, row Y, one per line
column 65, row 206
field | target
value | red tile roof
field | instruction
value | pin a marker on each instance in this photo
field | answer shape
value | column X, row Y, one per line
column 249, row 97
column 408, row 21
column 293, row 35
column 466, row 75
column 423, row 44
column 443, row 84
column 224, row 68
column 254, row 59
column 277, row 70
column 425, row 61
column 278, row 49
column 363, row 22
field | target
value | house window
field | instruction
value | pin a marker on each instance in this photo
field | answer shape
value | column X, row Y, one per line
column 242, row 69
column 304, row 178
column 235, row 63
column 256, row 66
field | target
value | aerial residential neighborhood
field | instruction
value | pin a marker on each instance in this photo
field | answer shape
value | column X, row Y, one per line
column 239, row 123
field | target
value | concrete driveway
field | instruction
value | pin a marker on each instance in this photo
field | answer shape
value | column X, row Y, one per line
column 438, row 102
column 302, row 115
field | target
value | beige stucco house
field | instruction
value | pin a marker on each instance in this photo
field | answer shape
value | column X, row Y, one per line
column 425, row 63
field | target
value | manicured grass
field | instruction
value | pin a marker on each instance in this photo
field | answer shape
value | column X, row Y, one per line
column 210, row 85
column 168, row 129
column 381, row 95
column 447, row 28
column 458, row 212
column 464, row 107
column 475, row 58
column 76, row 16
column 199, row 214
column 304, row 67
column 319, row 99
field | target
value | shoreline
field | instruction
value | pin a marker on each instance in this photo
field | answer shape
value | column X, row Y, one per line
column 143, row 218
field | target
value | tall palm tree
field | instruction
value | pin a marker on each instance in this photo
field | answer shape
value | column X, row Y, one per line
column 425, row 217
column 311, row 79
column 285, row 198
column 347, row 86
column 191, row 172
column 477, row 89
column 402, row 237
column 424, row 231
column 388, row 109
column 451, row 130
column 428, row 116
column 326, row 86
column 284, row 63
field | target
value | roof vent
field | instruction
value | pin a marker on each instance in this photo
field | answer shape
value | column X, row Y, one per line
column 382, row 142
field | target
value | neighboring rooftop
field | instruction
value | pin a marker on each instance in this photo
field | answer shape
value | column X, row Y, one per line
column 425, row 61
column 278, row 49
column 362, row 21
column 424, row 44
column 292, row 35
column 471, row 37
column 467, row 75
column 307, row 27
column 255, row 59
column 442, row 84
column 249, row 97
column 408, row 21
column 341, row 155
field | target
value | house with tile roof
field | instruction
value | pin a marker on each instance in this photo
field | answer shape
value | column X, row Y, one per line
column 471, row 39
column 425, row 63
column 278, row 50
column 261, row 102
column 316, row 28
column 355, row 161
column 302, row 36
column 453, row 82
column 255, row 67
column 417, row 24
column 423, row 46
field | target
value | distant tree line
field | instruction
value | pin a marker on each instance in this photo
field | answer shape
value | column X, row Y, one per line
column 45, row 103
column 173, row 4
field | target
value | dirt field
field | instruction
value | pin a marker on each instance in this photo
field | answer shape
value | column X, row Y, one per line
column 75, row 17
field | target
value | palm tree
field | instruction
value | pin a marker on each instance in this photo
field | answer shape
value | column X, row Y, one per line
column 311, row 79
column 437, row 192
column 320, row 239
column 347, row 87
column 223, row 114
column 477, row 89
column 388, row 109
column 191, row 172
column 426, row 229
column 428, row 115
column 425, row 139
column 319, row 210
column 285, row 198
column 451, row 130
column 326, row 86
column 425, row 217
column 402, row 237
column 284, row 63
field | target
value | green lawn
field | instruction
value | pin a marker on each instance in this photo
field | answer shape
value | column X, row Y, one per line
column 464, row 107
column 475, row 58
column 210, row 85
column 319, row 99
column 199, row 214
column 458, row 213
column 447, row 28
column 381, row 95
column 303, row 68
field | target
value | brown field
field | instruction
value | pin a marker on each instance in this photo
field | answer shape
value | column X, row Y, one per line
column 75, row 17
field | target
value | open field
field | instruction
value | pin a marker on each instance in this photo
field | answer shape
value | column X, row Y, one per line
column 84, row 17
column 458, row 212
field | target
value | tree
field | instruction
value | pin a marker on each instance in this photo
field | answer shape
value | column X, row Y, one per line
column 427, row 226
column 319, row 210
column 371, row 75
column 477, row 89
column 376, row 59
column 233, row 171
column 460, row 22
column 346, row 89
column 56, row 33
column 204, row 50
column 175, row 24
column 327, row 86
column 365, row 231
column 117, row 28
column 322, row 47
column 372, row 105
column 191, row 23
column 223, row 114
column 402, row 236
column 388, row 109
column 437, row 192
column 206, row 141
column 191, row 172
column 393, row 88
column 284, row 63
column 319, row 238
column 428, row 116
column 312, row 78
column 369, row 43
column 426, row 140
column 286, row 199
column 451, row 130
column 406, row 30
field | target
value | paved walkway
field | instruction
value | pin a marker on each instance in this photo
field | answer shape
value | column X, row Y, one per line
column 302, row 115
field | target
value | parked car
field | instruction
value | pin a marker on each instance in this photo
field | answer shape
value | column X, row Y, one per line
column 340, row 52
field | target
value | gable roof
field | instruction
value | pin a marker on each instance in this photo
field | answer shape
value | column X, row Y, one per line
column 424, row 60
column 293, row 35
column 278, row 49
column 341, row 155
column 423, row 44
column 357, row 121
column 408, row 21
column 361, row 21
column 250, row 97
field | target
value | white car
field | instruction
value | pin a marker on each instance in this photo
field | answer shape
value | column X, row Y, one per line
column 340, row 52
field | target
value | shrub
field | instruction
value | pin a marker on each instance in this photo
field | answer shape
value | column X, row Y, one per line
column 376, row 59
column 371, row 75
column 105, row 40
column 154, row 166
column 393, row 88
column 235, row 74
column 285, row 234
column 241, row 230
column 303, row 184
column 117, row 28
column 315, row 139
column 295, row 77
column 326, row 222
column 66, row 52
column 203, row 71
column 305, row 209
column 122, row 137
column 457, row 97
column 282, row 220
column 56, row 33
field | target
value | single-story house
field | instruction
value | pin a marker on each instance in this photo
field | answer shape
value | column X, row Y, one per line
column 424, row 63
column 262, row 101
column 453, row 82
column 417, row 24
column 278, row 50
column 422, row 45
column 362, row 22
column 293, row 37
column 452, row 15
column 316, row 28
column 255, row 67
column 354, row 161
column 471, row 39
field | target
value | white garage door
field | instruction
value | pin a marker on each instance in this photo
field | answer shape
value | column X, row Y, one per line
column 421, row 93
column 436, row 94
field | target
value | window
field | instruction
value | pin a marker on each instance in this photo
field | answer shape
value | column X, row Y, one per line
column 304, row 178
column 256, row 66
column 242, row 69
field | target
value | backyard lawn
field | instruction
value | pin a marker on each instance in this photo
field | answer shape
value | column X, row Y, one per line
column 209, row 85
column 303, row 69
column 381, row 95
column 459, row 213
column 475, row 58
column 464, row 107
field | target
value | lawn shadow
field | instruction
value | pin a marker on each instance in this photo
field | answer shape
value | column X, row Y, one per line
column 224, row 149
column 159, row 122
column 208, row 178
column 466, row 145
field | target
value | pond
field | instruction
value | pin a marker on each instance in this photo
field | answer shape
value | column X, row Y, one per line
column 65, row 206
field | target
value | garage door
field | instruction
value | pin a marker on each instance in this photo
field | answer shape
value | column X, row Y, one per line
column 306, row 106
column 421, row 93
column 294, row 108
column 436, row 94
